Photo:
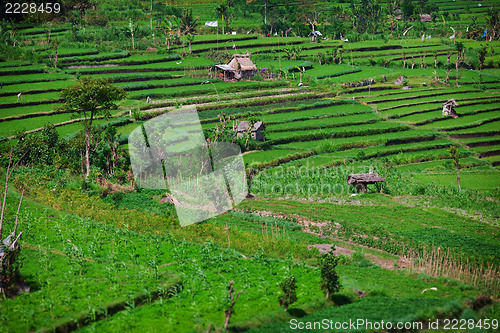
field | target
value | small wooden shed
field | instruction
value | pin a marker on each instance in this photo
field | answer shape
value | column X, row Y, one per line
column 255, row 131
column 361, row 180
column 240, row 67
column 223, row 72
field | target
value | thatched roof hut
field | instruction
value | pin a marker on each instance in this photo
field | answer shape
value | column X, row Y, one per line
column 255, row 130
column 361, row 180
column 239, row 67
column 242, row 62
column 425, row 18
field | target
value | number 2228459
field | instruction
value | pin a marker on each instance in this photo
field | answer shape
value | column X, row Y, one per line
column 32, row 8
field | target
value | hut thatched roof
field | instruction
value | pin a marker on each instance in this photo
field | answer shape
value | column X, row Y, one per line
column 244, row 62
column 243, row 126
column 354, row 178
column 425, row 17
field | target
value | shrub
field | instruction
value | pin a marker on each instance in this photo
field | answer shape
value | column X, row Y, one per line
column 329, row 278
column 288, row 287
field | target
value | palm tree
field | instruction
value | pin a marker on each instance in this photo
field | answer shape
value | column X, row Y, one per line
column 187, row 22
column 223, row 11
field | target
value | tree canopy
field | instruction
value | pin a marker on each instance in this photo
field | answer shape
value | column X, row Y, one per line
column 90, row 97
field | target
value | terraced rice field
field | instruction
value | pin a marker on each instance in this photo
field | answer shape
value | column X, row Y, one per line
column 291, row 126
column 329, row 110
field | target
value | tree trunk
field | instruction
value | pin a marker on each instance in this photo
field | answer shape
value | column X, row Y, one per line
column 447, row 75
column 87, row 151
column 265, row 12
column 151, row 19
column 4, row 201
column 55, row 59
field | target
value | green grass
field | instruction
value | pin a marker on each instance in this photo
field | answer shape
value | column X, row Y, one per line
column 10, row 127
column 170, row 65
column 361, row 139
column 463, row 121
column 155, row 84
column 464, row 111
column 96, row 257
column 431, row 98
column 414, row 93
column 75, row 270
column 323, row 122
column 365, row 73
column 266, row 156
column 20, row 110
column 430, row 110
column 222, row 87
column 486, row 148
column 440, row 165
column 491, row 126
column 26, row 78
column 483, row 181
column 127, row 129
column 17, row 88
column 50, row 96
column 437, row 227
column 319, row 112
column 373, row 310
column 346, row 129
column 73, row 128
column 30, row 68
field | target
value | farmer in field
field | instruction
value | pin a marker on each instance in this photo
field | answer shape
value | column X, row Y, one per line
column 448, row 108
column 19, row 96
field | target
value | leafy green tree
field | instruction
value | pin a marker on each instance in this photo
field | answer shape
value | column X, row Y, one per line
column 421, row 5
column 366, row 15
column 309, row 12
column 108, row 153
column 168, row 28
column 90, row 98
column 408, row 9
column 329, row 278
column 80, row 6
column 265, row 8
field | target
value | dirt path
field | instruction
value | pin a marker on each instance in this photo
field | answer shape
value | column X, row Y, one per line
column 316, row 228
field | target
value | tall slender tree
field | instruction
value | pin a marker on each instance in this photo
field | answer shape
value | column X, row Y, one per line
column 90, row 98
